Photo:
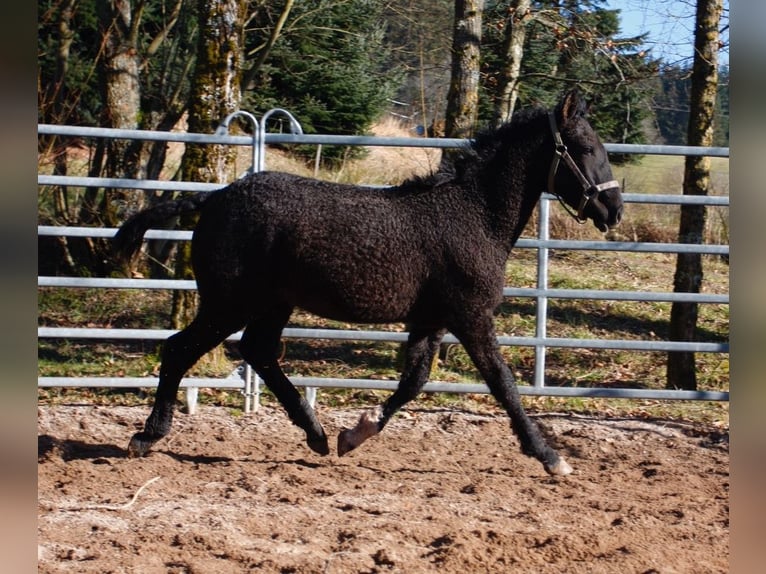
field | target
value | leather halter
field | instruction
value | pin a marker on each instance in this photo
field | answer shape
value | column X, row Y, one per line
column 589, row 190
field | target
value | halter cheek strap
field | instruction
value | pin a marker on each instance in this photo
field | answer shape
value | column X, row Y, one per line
column 589, row 190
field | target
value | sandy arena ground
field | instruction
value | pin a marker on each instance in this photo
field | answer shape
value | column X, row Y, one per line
column 438, row 491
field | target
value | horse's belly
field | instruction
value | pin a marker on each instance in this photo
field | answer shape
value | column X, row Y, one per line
column 355, row 299
column 364, row 277
column 355, row 309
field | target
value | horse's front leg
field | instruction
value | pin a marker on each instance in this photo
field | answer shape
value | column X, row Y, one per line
column 422, row 345
column 480, row 342
column 259, row 346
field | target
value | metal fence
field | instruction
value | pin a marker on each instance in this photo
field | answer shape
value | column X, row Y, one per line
column 245, row 380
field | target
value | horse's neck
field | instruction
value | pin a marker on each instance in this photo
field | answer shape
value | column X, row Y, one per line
column 515, row 218
column 517, row 190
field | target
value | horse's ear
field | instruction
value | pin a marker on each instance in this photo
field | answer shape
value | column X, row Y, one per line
column 572, row 105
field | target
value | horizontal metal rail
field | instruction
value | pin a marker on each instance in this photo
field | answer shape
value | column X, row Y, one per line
column 394, row 337
column 597, row 294
column 139, row 382
column 390, row 385
column 121, row 183
column 325, row 139
column 523, row 243
column 164, row 185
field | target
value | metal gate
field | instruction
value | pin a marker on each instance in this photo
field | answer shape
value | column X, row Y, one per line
column 245, row 380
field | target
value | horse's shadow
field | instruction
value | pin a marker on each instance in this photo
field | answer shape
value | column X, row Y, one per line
column 49, row 446
column 69, row 450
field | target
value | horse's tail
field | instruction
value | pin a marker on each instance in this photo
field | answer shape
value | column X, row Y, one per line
column 127, row 241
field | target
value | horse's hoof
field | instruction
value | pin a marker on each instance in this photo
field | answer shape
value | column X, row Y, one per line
column 319, row 445
column 139, row 446
column 345, row 444
column 559, row 468
column 370, row 423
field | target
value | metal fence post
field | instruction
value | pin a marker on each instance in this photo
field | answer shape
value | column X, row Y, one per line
column 541, row 315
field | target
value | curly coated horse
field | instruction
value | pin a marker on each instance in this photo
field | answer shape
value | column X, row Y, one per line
column 430, row 252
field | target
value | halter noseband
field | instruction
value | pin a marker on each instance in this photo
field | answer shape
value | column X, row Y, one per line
column 589, row 190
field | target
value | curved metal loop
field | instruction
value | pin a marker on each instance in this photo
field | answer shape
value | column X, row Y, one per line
column 295, row 128
column 223, row 129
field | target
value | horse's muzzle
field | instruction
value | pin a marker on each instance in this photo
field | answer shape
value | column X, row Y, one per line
column 605, row 215
column 610, row 207
column 617, row 217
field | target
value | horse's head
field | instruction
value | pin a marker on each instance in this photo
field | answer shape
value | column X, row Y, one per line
column 580, row 174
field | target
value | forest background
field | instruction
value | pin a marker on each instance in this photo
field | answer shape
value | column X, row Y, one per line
column 338, row 65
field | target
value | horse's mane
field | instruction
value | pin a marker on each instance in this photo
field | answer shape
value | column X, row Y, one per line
column 464, row 163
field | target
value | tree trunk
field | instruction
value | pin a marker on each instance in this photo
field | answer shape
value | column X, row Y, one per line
column 59, row 113
column 53, row 103
column 513, row 49
column 215, row 94
column 119, row 75
column 122, row 103
column 681, row 370
column 463, row 96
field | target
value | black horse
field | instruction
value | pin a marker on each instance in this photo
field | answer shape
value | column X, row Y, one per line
column 430, row 252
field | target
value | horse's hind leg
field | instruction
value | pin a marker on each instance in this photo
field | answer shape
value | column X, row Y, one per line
column 179, row 354
column 260, row 347
column 480, row 342
column 422, row 345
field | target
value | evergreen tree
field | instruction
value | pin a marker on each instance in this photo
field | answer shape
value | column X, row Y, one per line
column 721, row 136
column 329, row 67
column 575, row 43
column 671, row 105
column 81, row 93
column 672, row 101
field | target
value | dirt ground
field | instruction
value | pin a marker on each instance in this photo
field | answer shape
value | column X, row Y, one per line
column 438, row 490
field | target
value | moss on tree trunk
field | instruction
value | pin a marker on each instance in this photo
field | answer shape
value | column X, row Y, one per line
column 215, row 94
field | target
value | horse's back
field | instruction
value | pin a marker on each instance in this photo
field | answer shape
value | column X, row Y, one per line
column 341, row 251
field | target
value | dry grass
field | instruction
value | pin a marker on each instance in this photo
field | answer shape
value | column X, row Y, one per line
column 381, row 165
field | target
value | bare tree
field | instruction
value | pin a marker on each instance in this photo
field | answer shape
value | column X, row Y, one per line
column 123, row 62
column 119, row 68
column 119, row 62
column 122, row 88
column 263, row 51
column 519, row 15
column 681, row 369
column 54, row 97
column 420, row 37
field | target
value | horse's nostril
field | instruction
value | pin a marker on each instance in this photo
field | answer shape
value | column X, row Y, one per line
column 618, row 216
